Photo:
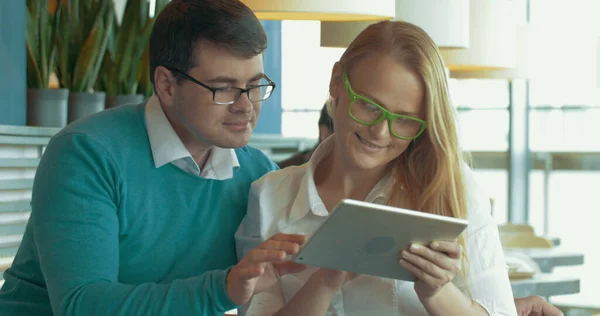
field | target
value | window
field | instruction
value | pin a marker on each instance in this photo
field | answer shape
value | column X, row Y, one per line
column 573, row 215
column 495, row 184
column 565, row 109
column 566, row 128
column 306, row 71
column 483, row 113
column 483, row 126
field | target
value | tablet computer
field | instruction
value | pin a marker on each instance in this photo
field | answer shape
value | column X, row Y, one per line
column 367, row 238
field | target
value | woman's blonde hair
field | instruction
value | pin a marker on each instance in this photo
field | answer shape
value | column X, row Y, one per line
column 428, row 175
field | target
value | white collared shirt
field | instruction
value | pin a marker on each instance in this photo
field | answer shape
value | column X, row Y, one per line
column 287, row 201
column 168, row 148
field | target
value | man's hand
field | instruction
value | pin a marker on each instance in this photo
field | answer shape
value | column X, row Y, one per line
column 263, row 266
column 536, row 306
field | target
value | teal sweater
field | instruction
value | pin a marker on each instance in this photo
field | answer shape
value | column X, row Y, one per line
column 111, row 234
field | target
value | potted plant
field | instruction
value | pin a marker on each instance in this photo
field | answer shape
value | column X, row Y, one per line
column 145, row 85
column 127, row 54
column 45, row 107
column 84, row 29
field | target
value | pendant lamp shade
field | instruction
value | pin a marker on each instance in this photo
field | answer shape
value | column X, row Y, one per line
column 446, row 21
column 322, row 10
column 493, row 37
column 530, row 46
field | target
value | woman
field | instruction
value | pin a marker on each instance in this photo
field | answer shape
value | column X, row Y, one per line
column 395, row 143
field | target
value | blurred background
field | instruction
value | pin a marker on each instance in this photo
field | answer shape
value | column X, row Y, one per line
column 524, row 77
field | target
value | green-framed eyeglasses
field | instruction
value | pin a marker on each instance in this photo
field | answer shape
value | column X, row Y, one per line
column 367, row 112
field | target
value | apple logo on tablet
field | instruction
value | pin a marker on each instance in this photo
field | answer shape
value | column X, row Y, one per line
column 379, row 245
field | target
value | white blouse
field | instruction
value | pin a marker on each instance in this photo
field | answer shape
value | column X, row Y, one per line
column 287, row 201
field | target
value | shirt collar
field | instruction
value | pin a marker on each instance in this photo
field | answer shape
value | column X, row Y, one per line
column 167, row 147
column 220, row 164
column 308, row 199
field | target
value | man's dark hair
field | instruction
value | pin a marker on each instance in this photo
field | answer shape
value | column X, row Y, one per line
column 183, row 23
column 325, row 119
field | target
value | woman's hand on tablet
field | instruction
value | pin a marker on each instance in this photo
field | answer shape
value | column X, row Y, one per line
column 434, row 266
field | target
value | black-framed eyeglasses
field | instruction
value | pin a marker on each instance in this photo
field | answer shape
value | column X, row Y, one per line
column 229, row 95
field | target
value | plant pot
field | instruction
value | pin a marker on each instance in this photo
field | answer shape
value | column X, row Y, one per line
column 47, row 107
column 116, row 100
column 83, row 104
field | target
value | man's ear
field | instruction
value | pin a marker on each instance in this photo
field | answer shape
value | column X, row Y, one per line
column 165, row 84
column 336, row 81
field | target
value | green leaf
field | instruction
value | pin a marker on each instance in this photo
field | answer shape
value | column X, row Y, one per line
column 88, row 53
column 64, row 44
column 112, row 41
column 107, row 65
column 31, row 35
column 62, row 64
column 127, row 31
column 34, row 77
column 145, row 85
column 101, row 51
column 144, row 13
column 51, row 65
column 121, row 72
column 75, row 24
column 159, row 5
column 41, row 42
column 54, row 39
column 45, row 41
column 87, row 42
column 141, row 49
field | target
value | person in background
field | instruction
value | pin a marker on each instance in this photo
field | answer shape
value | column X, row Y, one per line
column 536, row 306
column 325, row 126
column 134, row 209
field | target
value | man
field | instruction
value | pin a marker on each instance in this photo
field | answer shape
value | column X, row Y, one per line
column 134, row 209
column 325, row 129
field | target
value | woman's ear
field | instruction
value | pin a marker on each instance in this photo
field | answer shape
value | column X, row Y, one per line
column 336, row 81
